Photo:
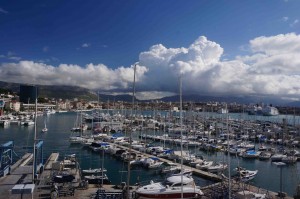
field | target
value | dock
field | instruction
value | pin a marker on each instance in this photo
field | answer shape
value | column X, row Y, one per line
column 21, row 174
column 196, row 172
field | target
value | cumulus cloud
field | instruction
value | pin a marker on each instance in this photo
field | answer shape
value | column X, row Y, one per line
column 271, row 67
column 91, row 76
column 274, row 67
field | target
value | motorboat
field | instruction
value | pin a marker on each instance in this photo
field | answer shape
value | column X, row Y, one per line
column 251, row 154
column 245, row 175
column 264, row 155
column 204, row 165
column 93, row 171
column 277, row 157
column 217, row 167
column 174, row 187
column 171, row 168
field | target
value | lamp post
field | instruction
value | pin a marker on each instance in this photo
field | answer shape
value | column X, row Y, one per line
column 280, row 165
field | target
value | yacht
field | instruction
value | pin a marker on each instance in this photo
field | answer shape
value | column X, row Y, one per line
column 174, row 187
column 223, row 111
column 270, row 111
column 93, row 171
column 245, row 175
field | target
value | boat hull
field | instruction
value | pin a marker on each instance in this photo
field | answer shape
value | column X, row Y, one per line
column 167, row 195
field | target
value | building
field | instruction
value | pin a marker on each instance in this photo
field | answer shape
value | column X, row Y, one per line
column 13, row 105
column 28, row 93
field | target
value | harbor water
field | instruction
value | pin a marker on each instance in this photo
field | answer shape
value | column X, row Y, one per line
column 57, row 140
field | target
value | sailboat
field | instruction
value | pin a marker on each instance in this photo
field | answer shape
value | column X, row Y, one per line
column 176, row 186
column 45, row 129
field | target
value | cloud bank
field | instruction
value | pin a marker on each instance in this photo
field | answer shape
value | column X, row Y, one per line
column 270, row 68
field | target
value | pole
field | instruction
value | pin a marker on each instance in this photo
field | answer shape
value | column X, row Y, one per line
column 228, row 156
column 181, row 163
column 102, row 167
column 281, row 195
column 129, row 150
column 34, row 139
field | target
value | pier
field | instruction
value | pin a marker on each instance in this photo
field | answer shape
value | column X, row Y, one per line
column 197, row 172
column 21, row 175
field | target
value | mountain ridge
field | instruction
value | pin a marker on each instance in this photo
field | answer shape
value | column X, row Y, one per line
column 71, row 92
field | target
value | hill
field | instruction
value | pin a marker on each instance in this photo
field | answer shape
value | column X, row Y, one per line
column 71, row 92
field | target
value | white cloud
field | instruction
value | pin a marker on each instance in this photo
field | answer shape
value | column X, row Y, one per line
column 274, row 67
column 85, row 45
column 91, row 76
column 270, row 67
column 152, row 95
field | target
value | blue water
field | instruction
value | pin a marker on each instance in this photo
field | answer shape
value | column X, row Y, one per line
column 56, row 140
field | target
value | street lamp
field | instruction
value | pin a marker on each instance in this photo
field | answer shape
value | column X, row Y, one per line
column 280, row 165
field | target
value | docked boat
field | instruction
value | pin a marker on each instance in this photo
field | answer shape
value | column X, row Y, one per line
column 93, row 171
column 97, row 179
column 204, row 165
column 171, row 168
column 289, row 159
column 4, row 122
column 264, row 155
column 251, row 154
column 217, row 167
column 174, row 187
column 245, row 175
column 76, row 139
column 277, row 157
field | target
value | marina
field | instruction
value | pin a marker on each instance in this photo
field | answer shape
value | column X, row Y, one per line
column 60, row 124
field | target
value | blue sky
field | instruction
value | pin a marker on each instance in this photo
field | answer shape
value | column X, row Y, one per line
column 107, row 37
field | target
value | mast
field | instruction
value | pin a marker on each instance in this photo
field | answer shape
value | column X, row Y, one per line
column 34, row 138
column 129, row 151
column 228, row 156
column 181, row 163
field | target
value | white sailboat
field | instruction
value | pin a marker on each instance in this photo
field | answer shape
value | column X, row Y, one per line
column 45, row 129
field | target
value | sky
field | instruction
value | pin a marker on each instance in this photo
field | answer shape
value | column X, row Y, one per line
column 217, row 47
